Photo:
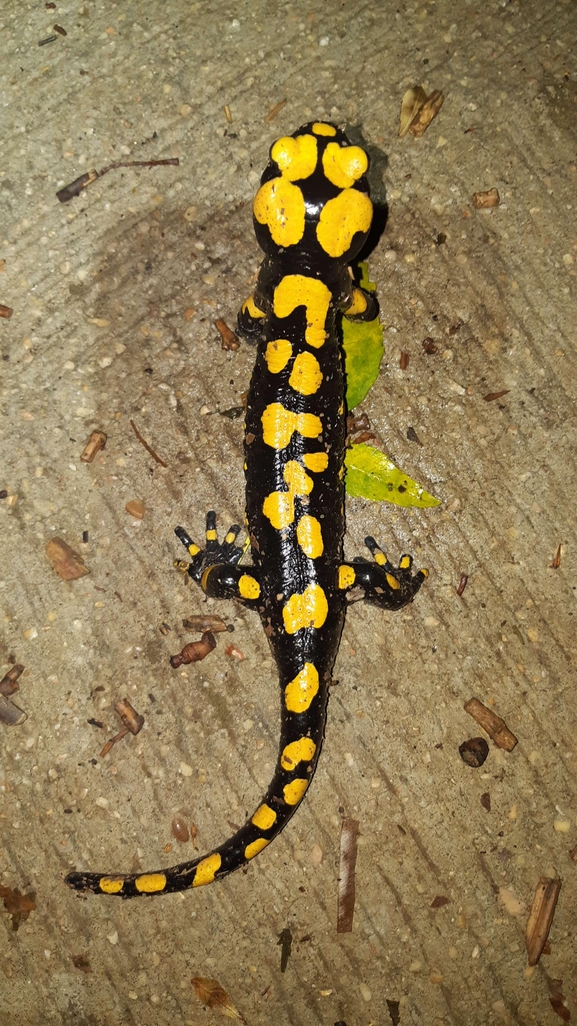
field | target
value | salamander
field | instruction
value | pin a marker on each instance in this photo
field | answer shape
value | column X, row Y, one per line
column 312, row 215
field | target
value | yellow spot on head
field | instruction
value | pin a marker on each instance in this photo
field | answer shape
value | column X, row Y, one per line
column 306, row 375
column 308, row 609
column 278, row 354
column 316, row 461
column 111, row 885
column 296, row 158
column 346, row 577
column 253, row 849
column 321, row 128
column 297, row 290
column 299, row 694
column 264, row 817
column 249, row 307
column 279, row 508
column 298, row 481
column 279, row 425
column 280, row 205
column 349, row 212
column 392, row 582
column 206, row 869
column 309, row 537
column 150, row 882
column 293, row 792
column 298, row 751
column 248, row 587
column 344, row 165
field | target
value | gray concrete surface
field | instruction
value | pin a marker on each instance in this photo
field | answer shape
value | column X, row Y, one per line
column 99, row 335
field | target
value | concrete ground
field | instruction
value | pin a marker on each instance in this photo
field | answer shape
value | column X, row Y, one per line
column 114, row 296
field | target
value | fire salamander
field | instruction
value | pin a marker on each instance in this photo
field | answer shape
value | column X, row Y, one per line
column 312, row 214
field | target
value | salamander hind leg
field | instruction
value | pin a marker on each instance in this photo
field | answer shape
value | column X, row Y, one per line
column 215, row 568
column 380, row 582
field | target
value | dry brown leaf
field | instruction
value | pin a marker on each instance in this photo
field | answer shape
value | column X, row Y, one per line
column 426, row 113
column 68, row 564
column 485, row 200
column 412, row 101
column 211, row 994
column 17, row 905
column 541, row 917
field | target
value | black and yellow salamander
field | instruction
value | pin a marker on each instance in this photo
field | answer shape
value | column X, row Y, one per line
column 312, row 214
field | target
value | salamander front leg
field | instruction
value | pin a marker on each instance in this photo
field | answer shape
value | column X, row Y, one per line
column 215, row 567
column 380, row 582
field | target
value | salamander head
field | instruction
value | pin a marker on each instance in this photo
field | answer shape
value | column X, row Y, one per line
column 313, row 203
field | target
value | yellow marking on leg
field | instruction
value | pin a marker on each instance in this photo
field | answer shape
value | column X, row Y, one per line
column 296, row 158
column 392, row 582
column 346, row 577
column 211, row 535
column 111, row 884
column 248, row 587
column 293, row 792
column 299, row 694
column 280, row 205
column 309, row 609
column 279, row 508
column 405, row 563
column 150, row 883
column 206, row 869
column 298, row 751
column 309, row 537
column 349, row 212
column 321, row 128
column 253, row 849
column 230, row 537
column 278, row 354
column 296, row 290
column 264, row 817
column 358, row 305
column 344, row 165
column 316, row 461
column 306, row 376
column 249, row 307
column 279, row 425
column 380, row 558
column 193, row 549
column 298, row 481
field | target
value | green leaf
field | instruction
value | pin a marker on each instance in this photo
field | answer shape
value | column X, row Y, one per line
column 363, row 346
column 372, row 475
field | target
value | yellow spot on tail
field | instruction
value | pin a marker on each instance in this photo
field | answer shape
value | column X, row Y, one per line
column 380, row 558
column 206, row 869
column 346, row 577
column 297, row 479
column 309, row 537
column 264, row 817
column 280, row 205
column 306, row 376
column 249, row 306
column 211, row 535
column 297, row 290
column 405, row 562
column 293, row 792
column 358, row 304
column 279, row 508
column 392, row 582
column 253, row 849
column 111, row 885
column 299, row 694
column 344, row 165
column 296, row 158
column 248, row 587
column 316, row 461
column 321, row 128
column 278, row 354
column 349, row 212
column 298, row 751
column 150, row 882
column 279, row 425
column 309, row 609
